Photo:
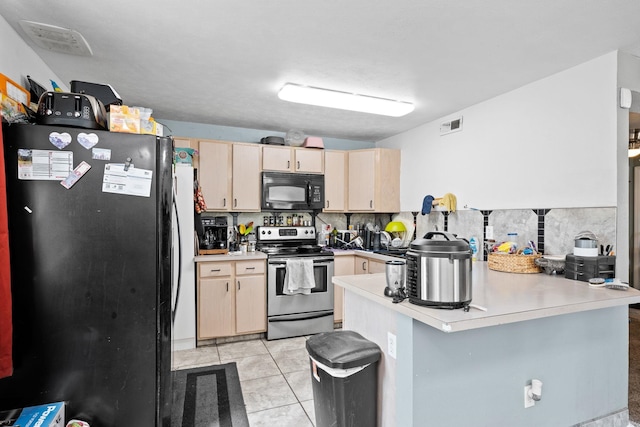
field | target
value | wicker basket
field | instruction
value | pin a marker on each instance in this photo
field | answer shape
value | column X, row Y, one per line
column 513, row 263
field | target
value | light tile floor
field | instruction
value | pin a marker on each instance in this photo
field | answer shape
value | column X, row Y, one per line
column 274, row 375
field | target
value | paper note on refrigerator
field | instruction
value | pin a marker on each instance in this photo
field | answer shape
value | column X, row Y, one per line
column 126, row 180
column 44, row 164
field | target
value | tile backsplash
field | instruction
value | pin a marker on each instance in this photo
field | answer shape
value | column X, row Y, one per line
column 552, row 230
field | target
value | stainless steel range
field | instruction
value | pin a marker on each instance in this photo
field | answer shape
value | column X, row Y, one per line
column 311, row 310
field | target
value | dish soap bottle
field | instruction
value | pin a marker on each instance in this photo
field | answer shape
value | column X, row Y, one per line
column 473, row 245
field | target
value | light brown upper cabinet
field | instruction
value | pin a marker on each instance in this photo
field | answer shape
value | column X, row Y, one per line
column 229, row 175
column 214, row 174
column 292, row 159
column 374, row 180
column 246, row 177
column 335, row 181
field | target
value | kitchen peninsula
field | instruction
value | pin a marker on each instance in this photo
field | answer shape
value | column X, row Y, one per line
column 453, row 367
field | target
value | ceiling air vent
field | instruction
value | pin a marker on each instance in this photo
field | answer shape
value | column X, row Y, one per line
column 56, row 39
column 451, row 126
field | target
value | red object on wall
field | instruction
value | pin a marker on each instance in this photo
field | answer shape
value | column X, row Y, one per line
column 6, row 329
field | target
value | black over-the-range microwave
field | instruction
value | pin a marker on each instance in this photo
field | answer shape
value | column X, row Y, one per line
column 292, row 191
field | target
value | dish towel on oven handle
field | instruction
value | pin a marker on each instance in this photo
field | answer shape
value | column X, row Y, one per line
column 299, row 278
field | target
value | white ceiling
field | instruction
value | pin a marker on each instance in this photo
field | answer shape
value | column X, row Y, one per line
column 222, row 62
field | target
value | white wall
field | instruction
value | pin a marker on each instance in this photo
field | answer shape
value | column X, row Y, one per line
column 548, row 144
column 17, row 60
column 628, row 77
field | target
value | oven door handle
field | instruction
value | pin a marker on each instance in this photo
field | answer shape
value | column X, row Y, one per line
column 315, row 262
column 303, row 317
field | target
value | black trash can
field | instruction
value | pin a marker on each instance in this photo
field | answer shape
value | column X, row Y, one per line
column 344, row 375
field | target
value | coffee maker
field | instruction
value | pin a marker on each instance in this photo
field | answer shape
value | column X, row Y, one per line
column 214, row 235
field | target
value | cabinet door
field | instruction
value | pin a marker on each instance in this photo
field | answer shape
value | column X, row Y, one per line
column 361, row 265
column 251, row 304
column 362, row 179
column 376, row 266
column 309, row 160
column 214, row 174
column 387, row 187
column 246, row 177
column 277, row 159
column 335, row 181
column 343, row 266
column 215, row 308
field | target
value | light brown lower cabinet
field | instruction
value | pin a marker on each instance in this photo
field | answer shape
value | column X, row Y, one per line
column 343, row 266
column 232, row 299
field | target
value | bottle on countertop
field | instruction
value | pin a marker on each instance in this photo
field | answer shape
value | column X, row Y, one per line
column 322, row 237
column 333, row 242
column 473, row 245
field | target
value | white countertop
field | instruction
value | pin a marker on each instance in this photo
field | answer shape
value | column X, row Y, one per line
column 231, row 256
column 237, row 256
column 508, row 298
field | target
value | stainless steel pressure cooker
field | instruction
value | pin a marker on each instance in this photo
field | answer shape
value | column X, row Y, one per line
column 439, row 271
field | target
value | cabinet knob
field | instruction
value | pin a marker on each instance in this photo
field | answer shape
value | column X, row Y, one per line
column 327, row 204
column 249, row 268
column 224, row 202
column 227, row 286
column 370, row 203
column 288, row 164
column 235, row 203
column 364, row 265
column 298, row 164
column 238, row 284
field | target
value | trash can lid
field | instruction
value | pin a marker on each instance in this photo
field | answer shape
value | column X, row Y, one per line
column 342, row 349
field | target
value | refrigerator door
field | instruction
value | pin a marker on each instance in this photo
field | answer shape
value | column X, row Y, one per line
column 91, row 276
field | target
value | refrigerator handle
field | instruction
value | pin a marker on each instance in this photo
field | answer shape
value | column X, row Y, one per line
column 179, row 279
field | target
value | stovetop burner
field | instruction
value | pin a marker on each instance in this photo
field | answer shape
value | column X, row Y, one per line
column 288, row 241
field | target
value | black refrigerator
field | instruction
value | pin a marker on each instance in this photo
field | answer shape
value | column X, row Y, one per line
column 90, row 245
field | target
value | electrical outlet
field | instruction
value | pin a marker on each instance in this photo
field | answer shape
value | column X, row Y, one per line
column 528, row 401
column 488, row 231
column 391, row 344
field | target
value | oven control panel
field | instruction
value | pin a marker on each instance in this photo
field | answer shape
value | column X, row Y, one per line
column 285, row 233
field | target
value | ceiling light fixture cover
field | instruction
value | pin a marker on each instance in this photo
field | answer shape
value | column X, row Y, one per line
column 344, row 100
column 57, row 39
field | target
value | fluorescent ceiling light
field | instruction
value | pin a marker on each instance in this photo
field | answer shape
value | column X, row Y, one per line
column 344, row 100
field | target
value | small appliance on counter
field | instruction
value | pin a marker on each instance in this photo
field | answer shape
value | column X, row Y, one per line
column 395, row 272
column 214, row 236
column 585, row 244
column 439, row 271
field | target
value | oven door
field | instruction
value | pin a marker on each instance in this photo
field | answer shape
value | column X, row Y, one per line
column 320, row 298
